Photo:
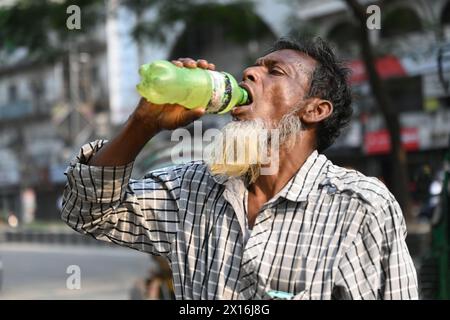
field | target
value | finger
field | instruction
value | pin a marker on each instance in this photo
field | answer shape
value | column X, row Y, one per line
column 194, row 114
column 188, row 62
column 202, row 63
column 211, row 66
column 197, row 112
column 177, row 63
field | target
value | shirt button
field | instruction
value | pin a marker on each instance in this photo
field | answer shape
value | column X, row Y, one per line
column 331, row 189
column 371, row 270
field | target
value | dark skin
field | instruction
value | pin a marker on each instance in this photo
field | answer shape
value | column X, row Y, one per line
column 278, row 82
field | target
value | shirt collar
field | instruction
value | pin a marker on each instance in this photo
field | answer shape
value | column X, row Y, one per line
column 307, row 178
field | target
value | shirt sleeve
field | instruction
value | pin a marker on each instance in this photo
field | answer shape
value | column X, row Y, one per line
column 105, row 203
column 377, row 265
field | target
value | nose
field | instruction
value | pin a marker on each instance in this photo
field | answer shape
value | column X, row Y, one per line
column 251, row 74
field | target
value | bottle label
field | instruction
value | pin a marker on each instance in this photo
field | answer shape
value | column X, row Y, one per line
column 221, row 92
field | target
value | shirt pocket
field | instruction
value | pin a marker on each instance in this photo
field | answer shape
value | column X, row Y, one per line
column 290, row 276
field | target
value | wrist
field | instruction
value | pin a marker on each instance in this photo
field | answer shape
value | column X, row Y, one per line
column 144, row 120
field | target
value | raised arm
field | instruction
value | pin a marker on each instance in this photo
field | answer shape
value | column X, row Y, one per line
column 146, row 121
column 101, row 200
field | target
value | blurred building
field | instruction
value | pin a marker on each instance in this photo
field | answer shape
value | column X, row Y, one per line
column 412, row 50
column 48, row 110
column 47, row 106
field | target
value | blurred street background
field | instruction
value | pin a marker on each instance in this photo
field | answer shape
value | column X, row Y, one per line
column 68, row 71
column 39, row 271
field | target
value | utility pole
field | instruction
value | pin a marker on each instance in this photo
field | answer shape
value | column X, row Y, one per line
column 74, row 85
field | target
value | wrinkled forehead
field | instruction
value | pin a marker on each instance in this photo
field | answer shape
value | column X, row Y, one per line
column 298, row 61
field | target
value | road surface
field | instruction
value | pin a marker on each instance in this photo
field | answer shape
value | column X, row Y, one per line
column 32, row 271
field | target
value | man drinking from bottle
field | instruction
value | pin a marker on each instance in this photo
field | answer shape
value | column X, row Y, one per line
column 309, row 230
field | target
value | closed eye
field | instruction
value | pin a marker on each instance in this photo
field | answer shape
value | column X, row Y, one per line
column 276, row 72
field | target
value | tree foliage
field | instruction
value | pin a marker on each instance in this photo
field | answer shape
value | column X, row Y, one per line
column 238, row 18
column 40, row 25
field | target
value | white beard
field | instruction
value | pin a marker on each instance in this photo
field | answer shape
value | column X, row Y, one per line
column 244, row 148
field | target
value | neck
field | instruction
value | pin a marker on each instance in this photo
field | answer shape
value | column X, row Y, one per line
column 290, row 161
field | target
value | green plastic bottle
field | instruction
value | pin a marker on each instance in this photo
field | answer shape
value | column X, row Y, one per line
column 163, row 82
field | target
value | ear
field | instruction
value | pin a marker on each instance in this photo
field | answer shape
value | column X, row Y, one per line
column 316, row 110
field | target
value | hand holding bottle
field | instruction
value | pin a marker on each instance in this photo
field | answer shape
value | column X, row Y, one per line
column 171, row 116
column 191, row 63
column 190, row 83
column 145, row 122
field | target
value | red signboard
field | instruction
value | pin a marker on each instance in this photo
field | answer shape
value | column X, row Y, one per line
column 387, row 67
column 378, row 142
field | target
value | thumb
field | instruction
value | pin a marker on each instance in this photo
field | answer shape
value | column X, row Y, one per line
column 193, row 114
